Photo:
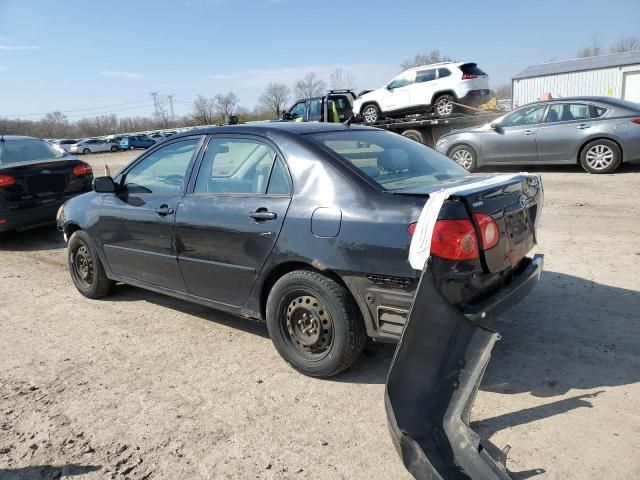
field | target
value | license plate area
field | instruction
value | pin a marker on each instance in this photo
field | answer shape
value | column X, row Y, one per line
column 516, row 224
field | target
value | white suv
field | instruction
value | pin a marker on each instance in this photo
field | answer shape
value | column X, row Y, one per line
column 418, row 89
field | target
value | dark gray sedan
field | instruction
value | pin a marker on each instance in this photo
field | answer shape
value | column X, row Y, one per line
column 599, row 133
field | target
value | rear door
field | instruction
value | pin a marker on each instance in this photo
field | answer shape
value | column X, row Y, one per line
column 426, row 84
column 565, row 128
column 137, row 224
column 229, row 222
column 514, row 140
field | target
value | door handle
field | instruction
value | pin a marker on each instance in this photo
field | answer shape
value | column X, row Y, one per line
column 529, row 132
column 262, row 214
column 164, row 210
column 582, row 126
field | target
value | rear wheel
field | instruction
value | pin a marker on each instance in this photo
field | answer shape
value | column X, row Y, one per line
column 601, row 156
column 371, row 113
column 131, row 147
column 86, row 268
column 444, row 106
column 465, row 156
column 415, row 135
column 314, row 323
column 86, row 151
column 114, row 148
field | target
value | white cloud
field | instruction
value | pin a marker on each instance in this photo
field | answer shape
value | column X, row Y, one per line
column 112, row 73
column 19, row 47
column 249, row 84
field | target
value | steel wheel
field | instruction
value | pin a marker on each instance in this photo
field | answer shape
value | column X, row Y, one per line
column 599, row 157
column 463, row 157
column 370, row 114
column 82, row 266
column 308, row 326
column 444, row 107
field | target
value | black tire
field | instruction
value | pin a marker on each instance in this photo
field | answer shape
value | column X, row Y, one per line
column 114, row 148
column 371, row 113
column 86, row 151
column 131, row 147
column 601, row 156
column 86, row 268
column 415, row 135
column 443, row 106
column 465, row 156
column 329, row 339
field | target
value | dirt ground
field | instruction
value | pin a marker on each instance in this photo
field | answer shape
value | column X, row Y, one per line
column 143, row 386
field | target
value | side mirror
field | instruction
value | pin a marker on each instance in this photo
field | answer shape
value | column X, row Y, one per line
column 495, row 126
column 389, row 87
column 104, row 185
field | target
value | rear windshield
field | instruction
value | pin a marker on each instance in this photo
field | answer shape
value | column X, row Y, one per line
column 28, row 150
column 392, row 161
column 471, row 69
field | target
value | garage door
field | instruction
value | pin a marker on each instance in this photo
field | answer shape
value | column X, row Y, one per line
column 631, row 89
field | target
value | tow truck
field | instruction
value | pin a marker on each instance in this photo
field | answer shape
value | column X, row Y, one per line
column 337, row 107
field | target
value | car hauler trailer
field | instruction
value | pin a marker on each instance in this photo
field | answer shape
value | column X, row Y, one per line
column 336, row 107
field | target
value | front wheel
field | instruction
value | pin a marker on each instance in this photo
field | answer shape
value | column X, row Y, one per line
column 444, row 106
column 86, row 151
column 371, row 113
column 86, row 268
column 114, row 148
column 465, row 156
column 131, row 147
column 601, row 156
column 314, row 323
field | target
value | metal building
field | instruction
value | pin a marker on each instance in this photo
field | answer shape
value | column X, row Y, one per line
column 616, row 75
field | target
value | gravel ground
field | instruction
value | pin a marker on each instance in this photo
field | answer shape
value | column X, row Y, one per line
column 142, row 386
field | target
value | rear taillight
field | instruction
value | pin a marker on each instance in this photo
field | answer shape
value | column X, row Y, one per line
column 636, row 120
column 468, row 76
column 82, row 169
column 454, row 240
column 6, row 181
column 489, row 233
column 412, row 229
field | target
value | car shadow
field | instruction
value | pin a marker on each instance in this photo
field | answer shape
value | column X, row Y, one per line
column 36, row 239
column 46, row 472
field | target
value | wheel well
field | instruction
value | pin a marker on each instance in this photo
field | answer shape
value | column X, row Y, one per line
column 444, row 92
column 599, row 138
column 370, row 102
column 281, row 270
column 460, row 145
column 71, row 228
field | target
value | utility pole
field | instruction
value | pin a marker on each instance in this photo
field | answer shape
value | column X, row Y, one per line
column 170, row 97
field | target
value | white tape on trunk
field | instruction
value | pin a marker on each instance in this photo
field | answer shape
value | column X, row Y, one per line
column 420, row 248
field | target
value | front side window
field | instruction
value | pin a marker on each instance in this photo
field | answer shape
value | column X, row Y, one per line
column 28, row 150
column 524, row 116
column 425, row 76
column 298, row 110
column 315, row 110
column 392, row 161
column 163, row 171
column 238, row 166
column 399, row 83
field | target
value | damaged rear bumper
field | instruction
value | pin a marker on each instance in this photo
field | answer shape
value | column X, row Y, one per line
column 434, row 377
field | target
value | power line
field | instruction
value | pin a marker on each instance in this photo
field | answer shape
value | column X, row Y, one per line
column 76, row 109
column 112, row 111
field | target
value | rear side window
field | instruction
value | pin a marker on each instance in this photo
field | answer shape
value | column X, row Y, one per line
column 426, row 76
column 566, row 112
column 443, row 72
column 597, row 112
column 315, row 110
column 471, row 69
column 392, row 161
column 28, row 150
column 240, row 166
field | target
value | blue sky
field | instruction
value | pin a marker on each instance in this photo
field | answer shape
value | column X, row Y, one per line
column 90, row 56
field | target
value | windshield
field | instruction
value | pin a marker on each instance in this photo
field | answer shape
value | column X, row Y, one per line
column 392, row 161
column 28, row 150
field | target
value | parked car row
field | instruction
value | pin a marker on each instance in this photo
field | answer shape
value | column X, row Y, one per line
column 110, row 144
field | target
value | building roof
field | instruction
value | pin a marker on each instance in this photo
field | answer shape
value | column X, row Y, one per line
column 581, row 64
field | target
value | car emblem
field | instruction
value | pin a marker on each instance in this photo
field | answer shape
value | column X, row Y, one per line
column 523, row 200
column 45, row 172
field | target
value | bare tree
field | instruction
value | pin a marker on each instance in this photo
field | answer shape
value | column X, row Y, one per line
column 593, row 49
column 626, row 44
column 503, row 92
column 225, row 105
column 341, row 79
column 162, row 114
column 310, row 86
column 55, row 124
column 433, row 56
column 275, row 98
column 204, row 110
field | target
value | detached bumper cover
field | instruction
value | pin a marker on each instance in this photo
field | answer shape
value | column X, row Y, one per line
column 434, row 377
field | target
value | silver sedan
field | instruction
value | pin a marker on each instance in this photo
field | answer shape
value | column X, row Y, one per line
column 599, row 133
column 92, row 145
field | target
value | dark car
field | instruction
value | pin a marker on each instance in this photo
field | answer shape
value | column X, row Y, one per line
column 136, row 141
column 599, row 133
column 36, row 178
column 304, row 225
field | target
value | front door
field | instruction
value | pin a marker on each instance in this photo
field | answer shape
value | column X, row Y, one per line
column 229, row 222
column 137, row 224
column 514, row 139
column 395, row 96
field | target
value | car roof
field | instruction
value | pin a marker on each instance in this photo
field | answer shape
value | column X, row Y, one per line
column 611, row 101
column 297, row 128
column 439, row 64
